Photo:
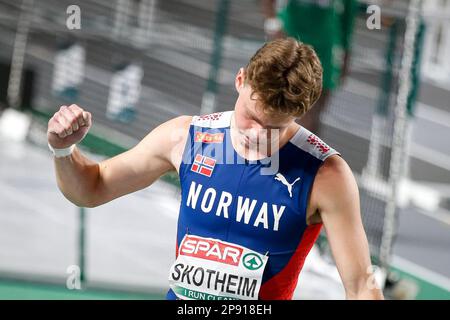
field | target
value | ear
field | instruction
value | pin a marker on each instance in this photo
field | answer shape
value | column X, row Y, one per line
column 240, row 79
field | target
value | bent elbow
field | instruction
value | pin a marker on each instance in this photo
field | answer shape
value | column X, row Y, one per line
column 89, row 205
column 82, row 202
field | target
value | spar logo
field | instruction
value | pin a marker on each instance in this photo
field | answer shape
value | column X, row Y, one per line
column 252, row 261
column 212, row 250
column 208, row 137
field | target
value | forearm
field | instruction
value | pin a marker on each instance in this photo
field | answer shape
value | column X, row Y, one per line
column 77, row 178
column 363, row 287
column 366, row 294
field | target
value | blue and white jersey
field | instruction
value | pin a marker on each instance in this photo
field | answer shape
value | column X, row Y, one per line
column 226, row 198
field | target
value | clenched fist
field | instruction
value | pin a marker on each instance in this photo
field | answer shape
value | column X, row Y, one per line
column 68, row 126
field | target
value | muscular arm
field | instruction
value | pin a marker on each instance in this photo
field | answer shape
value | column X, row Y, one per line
column 87, row 183
column 338, row 204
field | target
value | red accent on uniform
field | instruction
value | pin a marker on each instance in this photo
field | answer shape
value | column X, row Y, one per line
column 283, row 284
column 194, row 167
column 206, row 171
column 318, row 143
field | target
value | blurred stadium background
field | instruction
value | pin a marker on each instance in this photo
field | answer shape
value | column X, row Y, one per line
column 137, row 63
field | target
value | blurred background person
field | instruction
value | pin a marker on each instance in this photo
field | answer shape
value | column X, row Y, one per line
column 327, row 25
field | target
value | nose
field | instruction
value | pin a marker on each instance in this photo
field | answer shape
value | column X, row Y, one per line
column 258, row 128
column 257, row 133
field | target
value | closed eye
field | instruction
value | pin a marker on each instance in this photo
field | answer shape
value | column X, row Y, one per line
column 252, row 117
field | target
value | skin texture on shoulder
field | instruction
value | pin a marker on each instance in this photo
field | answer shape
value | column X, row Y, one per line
column 159, row 152
column 335, row 199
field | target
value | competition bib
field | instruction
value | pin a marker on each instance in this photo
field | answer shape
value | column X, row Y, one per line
column 211, row 269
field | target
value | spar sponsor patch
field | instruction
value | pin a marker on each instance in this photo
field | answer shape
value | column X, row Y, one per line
column 211, row 269
column 208, row 137
column 203, row 165
column 212, row 250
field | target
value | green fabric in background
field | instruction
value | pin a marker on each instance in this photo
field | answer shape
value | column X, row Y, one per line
column 325, row 25
column 22, row 290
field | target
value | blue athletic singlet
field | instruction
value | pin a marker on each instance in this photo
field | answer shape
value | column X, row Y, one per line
column 226, row 197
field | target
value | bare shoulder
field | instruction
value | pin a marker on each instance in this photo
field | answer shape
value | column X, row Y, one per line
column 182, row 121
column 177, row 132
column 334, row 168
column 170, row 132
column 334, row 185
column 335, row 177
column 166, row 141
column 174, row 124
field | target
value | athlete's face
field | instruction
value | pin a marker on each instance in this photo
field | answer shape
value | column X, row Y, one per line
column 254, row 127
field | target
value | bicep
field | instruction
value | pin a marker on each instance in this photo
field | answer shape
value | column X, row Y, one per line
column 342, row 221
column 140, row 166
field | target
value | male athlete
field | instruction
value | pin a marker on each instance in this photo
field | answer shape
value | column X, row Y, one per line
column 256, row 187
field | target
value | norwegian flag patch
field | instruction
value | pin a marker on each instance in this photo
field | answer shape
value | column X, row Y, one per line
column 203, row 165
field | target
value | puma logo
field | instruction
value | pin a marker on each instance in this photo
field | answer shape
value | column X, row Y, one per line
column 283, row 180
